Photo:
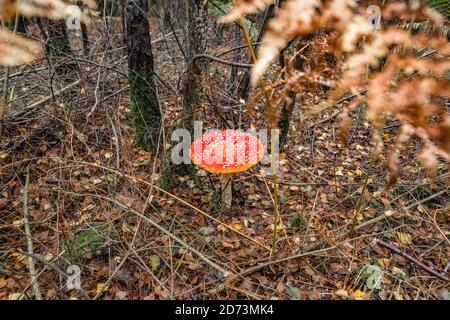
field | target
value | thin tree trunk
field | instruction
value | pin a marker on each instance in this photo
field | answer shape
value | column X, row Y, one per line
column 85, row 39
column 244, row 86
column 234, row 69
column 286, row 111
column 193, row 83
column 144, row 97
column 197, row 10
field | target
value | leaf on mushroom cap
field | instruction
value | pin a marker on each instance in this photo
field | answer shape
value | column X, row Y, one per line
column 226, row 151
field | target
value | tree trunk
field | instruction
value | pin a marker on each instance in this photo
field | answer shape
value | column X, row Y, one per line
column 197, row 15
column 144, row 97
column 234, row 69
column 286, row 111
column 244, row 86
column 193, row 81
column 85, row 39
column 60, row 52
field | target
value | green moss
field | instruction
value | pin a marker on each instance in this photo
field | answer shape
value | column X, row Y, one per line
column 86, row 242
column 283, row 124
column 59, row 46
column 146, row 112
column 297, row 223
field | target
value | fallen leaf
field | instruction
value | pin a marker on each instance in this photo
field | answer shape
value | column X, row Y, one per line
column 162, row 293
column 404, row 238
column 414, row 169
column 229, row 243
column 101, row 288
column 342, row 293
column 398, row 296
column 292, row 292
column 16, row 296
column 121, row 295
column 237, row 226
column 97, row 181
column 444, row 294
column 281, row 288
column 271, row 227
column 398, row 272
column 155, row 261
column 2, row 283
column 389, row 213
column 18, row 223
column 360, row 295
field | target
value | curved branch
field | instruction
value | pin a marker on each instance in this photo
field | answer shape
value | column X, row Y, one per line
column 230, row 63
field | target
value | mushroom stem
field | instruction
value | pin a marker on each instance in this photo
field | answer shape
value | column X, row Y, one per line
column 227, row 196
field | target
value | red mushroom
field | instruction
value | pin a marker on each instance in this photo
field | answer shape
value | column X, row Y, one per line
column 226, row 152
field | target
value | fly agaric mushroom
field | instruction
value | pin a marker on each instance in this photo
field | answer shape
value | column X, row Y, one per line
column 226, row 152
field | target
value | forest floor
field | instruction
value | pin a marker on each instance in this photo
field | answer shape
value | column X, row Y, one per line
column 93, row 200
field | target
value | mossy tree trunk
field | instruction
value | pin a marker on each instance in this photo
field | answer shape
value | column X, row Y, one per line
column 144, row 97
column 60, row 52
column 193, row 83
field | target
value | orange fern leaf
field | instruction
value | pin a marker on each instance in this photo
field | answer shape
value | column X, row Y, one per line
column 15, row 50
column 243, row 8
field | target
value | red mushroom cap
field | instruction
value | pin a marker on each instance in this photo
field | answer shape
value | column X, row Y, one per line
column 226, row 151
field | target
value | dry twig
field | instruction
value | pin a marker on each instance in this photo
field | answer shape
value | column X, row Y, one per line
column 35, row 284
column 412, row 259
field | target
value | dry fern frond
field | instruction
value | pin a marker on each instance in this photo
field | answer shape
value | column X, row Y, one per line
column 283, row 28
column 15, row 50
column 243, row 8
column 398, row 80
column 52, row 9
column 413, row 11
column 406, row 131
column 302, row 17
column 345, row 122
column 324, row 231
column 8, row 9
